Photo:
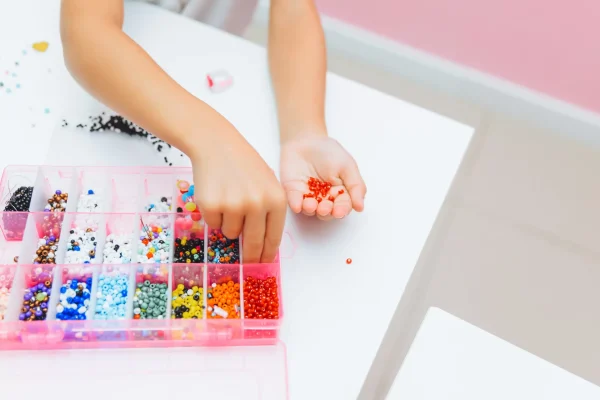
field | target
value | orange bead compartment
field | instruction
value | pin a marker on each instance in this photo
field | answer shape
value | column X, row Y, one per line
column 261, row 298
column 223, row 299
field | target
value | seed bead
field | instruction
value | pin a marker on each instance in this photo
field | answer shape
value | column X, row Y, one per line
column 223, row 300
column 184, row 306
column 222, row 250
column 261, row 300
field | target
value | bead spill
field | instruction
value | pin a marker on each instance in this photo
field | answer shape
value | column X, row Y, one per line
column 117, row 249
column 150, row 300
column 74, row 300
column 111, row 298
column 223, row 300
column 261, row 300
column 222, row 250
column 187, row 302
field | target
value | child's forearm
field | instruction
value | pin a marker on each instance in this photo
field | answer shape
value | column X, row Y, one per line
column 298, row 64
column 114, row 69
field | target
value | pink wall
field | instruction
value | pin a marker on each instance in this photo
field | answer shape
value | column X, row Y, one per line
column 552, row 46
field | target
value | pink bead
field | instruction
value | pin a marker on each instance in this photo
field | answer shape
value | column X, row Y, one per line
column 180, row 223
column 219, row 81
column 183, row 186
column 187, row 224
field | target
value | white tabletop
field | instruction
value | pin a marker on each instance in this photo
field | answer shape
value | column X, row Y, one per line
column 336, row 314
column 453, row 360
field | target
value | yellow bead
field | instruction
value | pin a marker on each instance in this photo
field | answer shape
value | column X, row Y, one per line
column 195, row 289
column 186, row 315
column 194, row 251
column 158, row 229
column 190, row 206
column 183, row 242
column 198, row 314
column 180, row 287
column 41, row 46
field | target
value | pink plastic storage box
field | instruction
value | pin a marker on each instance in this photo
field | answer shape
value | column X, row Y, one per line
column 125, row 195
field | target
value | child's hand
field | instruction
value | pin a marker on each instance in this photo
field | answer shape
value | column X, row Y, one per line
column 324, row 158
column 238, row 192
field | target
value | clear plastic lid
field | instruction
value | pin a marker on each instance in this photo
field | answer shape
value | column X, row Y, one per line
column 249, row 373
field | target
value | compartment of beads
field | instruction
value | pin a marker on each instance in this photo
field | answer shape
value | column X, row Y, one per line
column 111, row 257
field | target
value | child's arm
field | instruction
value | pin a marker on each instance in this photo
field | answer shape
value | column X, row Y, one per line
column 298, row 64
column 236, row 190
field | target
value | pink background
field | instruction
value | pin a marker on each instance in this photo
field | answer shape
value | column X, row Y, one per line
column 552, row 46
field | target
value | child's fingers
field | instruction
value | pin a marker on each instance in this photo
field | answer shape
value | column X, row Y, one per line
column 324, row 208
column 295, row 198
column 309, row 206
column 355, row 185
column 342, row 206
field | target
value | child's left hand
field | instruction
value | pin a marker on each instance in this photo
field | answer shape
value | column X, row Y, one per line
column 324, row 158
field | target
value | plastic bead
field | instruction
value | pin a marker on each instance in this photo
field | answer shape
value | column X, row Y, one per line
column 261, row 300
column 188, row 307
column 222, row 250
column 75, row 301
column 219, row 81
column 111, row 298
column 190, row 206
column 224, row 298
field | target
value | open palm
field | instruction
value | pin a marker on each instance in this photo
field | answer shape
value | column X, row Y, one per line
column 323, row 158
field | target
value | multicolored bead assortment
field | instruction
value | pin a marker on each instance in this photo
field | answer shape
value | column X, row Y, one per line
column 37, row 295
column 222, row 250
column 189, row 250
column 74, row 299
column 223, row 300
column 150, row 300
column 154, row 245
column 187, row 302
column 117, row 249
column 58, row 202
column 111, row 298
column 261, row 300
column 162, row 206
column 81, row 248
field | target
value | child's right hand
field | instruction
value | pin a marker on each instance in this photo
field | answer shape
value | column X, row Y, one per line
column 238, row 192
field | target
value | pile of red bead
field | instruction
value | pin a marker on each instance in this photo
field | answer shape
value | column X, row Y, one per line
column 260, row 298
column 320, row 190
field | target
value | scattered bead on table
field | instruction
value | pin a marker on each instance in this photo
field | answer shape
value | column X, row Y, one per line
column 261, row 300
column 222, row 250
column 74, row 299
column 187, row 302
column 111, row 298
column 348, row 261
column 223, row 300
column 219, row 81
column 117, row 249
column 154, row 245
column 89, row 202
column 150, row 300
